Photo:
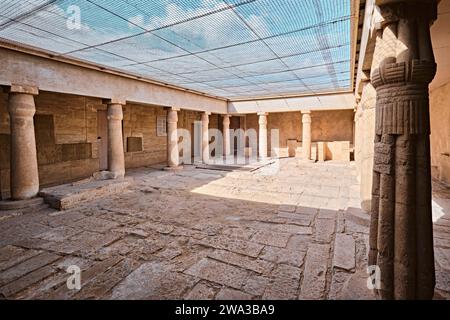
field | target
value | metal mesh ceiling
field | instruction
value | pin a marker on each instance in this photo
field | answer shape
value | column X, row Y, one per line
column 227, row 48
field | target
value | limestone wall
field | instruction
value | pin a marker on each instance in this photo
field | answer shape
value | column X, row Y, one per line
column 440, row 132
column 330, row 125
column 66, row 136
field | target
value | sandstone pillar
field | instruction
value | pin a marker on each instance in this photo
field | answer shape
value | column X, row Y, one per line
column 306, row 137
column 24, row 165
column 262, row 135
column 226, row 136
column 173, row 154
column 116, row 156
column 205, row 137
column 401, row 234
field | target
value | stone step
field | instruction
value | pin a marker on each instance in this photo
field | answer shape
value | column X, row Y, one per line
column 358, row 216
column 70, row 195
column 6, row 205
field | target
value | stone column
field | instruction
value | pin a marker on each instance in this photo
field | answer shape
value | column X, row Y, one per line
column 262, row 135
column 226, row 136
column 401, row 234
column 205, row 137
column 24, row 165
column 306, row 139
column 173, row 154
column 116, row 156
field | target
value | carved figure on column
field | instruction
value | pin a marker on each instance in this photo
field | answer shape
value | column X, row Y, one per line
column 401, row 234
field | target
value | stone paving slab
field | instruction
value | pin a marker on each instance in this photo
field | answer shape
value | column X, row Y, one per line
column 219, row 272
column 244, row 235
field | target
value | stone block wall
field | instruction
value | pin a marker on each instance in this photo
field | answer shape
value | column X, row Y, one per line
column 440, row 133
column 66, row 136
column 327, row 126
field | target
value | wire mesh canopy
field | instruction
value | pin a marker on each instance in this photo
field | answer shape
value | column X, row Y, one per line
column 227, row 48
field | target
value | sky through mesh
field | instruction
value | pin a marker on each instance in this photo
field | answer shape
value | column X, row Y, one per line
column 227, row 48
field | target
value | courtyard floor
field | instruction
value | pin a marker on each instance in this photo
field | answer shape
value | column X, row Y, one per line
column 289, row 230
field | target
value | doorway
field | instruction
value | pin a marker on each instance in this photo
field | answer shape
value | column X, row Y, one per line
column 102, row 139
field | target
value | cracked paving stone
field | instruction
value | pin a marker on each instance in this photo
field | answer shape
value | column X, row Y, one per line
column 95, row 224
column 201, row 291
column 284, row 283
column 324, row 230
column 235, row 245
column 231, row 294
column 285, row 256
column 344, row 252
column 316, row 266
column 219, row 272
column 276, row 239
column 58, row 234
column 154, row 280
column 11, row 255
column 258, row 266
column 27, row 266
column 256, row 284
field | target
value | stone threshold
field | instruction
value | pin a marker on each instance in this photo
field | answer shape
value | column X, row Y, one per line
column 67, row 196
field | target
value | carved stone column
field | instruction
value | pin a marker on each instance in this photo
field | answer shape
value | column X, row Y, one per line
column 401, row 234
column 116, row 156
column 173, row 155
column 226, row 136
column 262, row 135
column 24, row 165
column 306, row 136
column 205, row 137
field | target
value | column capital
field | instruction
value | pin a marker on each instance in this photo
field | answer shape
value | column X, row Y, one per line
column 25, row 89
column 305, row 111
column 118, row 100
column 172, row 115
column 226, row 120
column 262, row 113
column 207, row 113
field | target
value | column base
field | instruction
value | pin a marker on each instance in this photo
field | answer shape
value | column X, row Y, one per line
column 105, row 175
column 9, row 204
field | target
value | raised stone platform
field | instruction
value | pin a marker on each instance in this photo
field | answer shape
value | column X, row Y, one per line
column 69, row 195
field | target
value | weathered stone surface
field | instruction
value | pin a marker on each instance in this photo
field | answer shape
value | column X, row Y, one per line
column 315, row 273
column 27, row 266
column 25, row 281
column 231, row 294
column 95, row 224
column 104, row 282
column 256, row 284
column 326, row 214
column 323, row 230
column 285, row 281
column 344, row 252
column 201, row 291
column 219, row 272
column 258, row 266
column 442, row 257
column 276, row 239
column 286, row 256
column 221, row 242
column 11, row 255
column 153, row 280
column 58, row 234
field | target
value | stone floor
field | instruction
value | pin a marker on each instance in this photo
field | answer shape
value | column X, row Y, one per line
column 289, row 230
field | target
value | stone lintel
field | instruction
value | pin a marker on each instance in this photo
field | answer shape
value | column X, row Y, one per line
column 22, row 88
